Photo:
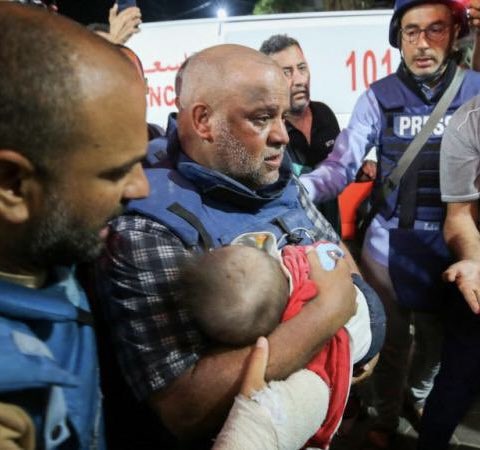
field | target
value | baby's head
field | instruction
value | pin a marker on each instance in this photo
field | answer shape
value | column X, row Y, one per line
column 236, row 293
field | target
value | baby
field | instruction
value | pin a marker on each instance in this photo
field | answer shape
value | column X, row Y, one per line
column 240, row 292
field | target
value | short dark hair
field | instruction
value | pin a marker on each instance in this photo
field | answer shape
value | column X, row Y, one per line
column 39, row 86
column 235, row 293
column 277, row 43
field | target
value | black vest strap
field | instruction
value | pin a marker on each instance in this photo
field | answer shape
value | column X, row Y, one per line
column 407, row 196
column 193, row 220
column 84, row 317
column 292, row 236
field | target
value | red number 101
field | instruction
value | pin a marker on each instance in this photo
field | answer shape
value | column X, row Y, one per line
column 369, row 66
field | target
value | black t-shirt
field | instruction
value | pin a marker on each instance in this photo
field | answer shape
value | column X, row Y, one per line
column 306, row 156
column 324, row 131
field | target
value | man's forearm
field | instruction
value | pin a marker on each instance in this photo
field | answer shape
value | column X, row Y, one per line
column 461, row 235
column 197, row 402
column 294, row 343
column 326, row 182
column 461, row 232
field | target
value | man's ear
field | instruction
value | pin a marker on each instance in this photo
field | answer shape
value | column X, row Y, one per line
column 202, row 121
column 16, row 183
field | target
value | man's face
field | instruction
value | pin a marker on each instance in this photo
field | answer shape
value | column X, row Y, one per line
column 295, row 67
column 426, row 51
column 93, row 183
column 249, row 129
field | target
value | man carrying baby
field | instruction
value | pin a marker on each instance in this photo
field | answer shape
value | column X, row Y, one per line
column 224, row 173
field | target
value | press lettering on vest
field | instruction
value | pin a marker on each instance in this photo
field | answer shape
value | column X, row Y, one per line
column 408, row 126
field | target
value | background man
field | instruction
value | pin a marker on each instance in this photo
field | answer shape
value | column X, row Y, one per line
column 312, row 126
column 408, row 226
column 70, row 152
column 224, row 173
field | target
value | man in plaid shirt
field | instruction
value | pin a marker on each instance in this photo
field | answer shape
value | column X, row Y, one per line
column 224, row 173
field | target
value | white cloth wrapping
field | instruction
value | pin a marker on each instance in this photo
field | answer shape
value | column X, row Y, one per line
column 282, row 416
column 359, row 329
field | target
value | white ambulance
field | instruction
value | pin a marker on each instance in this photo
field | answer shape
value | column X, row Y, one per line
column 346, row 52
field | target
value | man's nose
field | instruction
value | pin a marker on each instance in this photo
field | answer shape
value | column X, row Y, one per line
column 138, row 186
column 299, row 78
column 422, row 40
column 278, row 133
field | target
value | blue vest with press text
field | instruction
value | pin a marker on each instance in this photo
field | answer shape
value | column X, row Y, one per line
column 403, row 115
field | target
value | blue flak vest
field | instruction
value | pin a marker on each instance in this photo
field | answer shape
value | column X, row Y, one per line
column 207, row 209
column 158, row 146
column 403, row 114
column 49, row 365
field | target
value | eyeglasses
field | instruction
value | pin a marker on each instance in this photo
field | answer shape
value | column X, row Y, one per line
column 435, row 32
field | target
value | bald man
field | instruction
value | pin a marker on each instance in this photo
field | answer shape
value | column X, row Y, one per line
column 70, row 158
column 225, row 172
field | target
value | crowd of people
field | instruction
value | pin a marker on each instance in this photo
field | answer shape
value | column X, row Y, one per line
column 200, row 296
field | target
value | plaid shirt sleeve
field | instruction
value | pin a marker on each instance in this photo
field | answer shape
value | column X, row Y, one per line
column 323, row 228
column 137, row 282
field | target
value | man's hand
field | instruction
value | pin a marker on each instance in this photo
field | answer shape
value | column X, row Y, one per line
column 17, row 431
column 365, row 371
column 335, row 285
column 254, row 377
column 473, row 12
column 123, row 24
column 466, row 274
column 368, row 171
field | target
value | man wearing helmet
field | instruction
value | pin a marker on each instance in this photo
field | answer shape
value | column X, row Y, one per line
column 404, row 238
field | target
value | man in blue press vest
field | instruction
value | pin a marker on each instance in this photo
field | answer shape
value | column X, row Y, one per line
column 404, row 253
column 224, row 173
column 70, row 156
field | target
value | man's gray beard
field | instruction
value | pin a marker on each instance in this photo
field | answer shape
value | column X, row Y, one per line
column 299, row 109
column 433, row 78
column 58, row 239
column 235, row 161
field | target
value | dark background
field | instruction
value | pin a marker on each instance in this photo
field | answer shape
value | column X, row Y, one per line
column 88, row 11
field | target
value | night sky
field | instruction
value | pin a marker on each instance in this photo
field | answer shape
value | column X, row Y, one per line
column 88, row 11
